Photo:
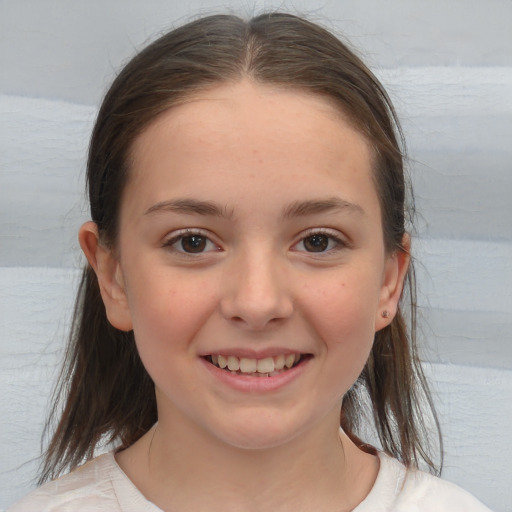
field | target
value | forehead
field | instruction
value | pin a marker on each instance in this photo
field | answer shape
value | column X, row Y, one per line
column 236, row 102
column 239, row 133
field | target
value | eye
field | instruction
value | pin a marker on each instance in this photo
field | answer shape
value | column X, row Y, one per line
column 191, row 243
column 316, row 243
column 319, row 242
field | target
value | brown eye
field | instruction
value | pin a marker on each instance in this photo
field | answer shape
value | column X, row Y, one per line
column 193, row 243
column 316, row 243
column 321, row 242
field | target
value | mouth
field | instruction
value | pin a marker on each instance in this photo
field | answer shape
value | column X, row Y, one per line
column 265, row 367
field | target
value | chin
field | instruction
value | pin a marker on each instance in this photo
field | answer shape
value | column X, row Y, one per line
column 260, row 433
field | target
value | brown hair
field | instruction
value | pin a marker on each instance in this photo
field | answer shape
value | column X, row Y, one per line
column 108, row 394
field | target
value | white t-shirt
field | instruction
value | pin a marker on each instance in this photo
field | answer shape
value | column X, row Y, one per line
column 101, row 486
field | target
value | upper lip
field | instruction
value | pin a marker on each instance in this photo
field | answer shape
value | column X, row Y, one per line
column 251, row 353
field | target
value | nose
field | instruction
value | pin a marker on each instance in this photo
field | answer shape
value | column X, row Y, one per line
column 256, row 292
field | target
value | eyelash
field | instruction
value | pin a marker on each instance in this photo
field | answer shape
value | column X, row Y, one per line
column 183, row 235
column 332, row 236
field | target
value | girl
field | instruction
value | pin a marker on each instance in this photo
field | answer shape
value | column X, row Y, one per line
column 247, row 257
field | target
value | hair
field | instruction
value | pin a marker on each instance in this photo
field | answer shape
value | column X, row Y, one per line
column 109, row 396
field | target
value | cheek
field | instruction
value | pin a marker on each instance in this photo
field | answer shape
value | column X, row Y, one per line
column 167, row 314
column 352, row 294
column 343, row 311
column 168, row 310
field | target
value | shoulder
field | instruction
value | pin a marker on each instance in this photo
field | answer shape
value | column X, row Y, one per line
column 89, row 487
column 433, row 493
column 411, row 490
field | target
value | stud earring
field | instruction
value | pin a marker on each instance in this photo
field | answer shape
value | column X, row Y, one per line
column 385, row 314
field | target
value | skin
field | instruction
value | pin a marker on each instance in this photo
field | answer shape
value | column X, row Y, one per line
column 253, row 153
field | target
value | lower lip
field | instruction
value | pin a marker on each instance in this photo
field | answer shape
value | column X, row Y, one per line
column 249, row 384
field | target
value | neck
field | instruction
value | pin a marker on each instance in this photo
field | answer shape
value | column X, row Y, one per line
column 316, row 470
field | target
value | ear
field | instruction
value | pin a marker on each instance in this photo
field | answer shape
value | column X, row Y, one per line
column 395, row 270
column 109, row 275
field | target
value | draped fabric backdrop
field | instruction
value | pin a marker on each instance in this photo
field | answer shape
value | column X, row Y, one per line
column 447, row 66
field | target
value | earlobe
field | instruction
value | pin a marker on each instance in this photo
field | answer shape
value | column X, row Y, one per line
column 395, row 272
column 109, row 275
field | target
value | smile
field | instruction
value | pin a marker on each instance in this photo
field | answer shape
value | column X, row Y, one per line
column 266, row 367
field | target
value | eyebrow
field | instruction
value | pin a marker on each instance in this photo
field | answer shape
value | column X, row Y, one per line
column 190, row 207
column 315, row 206
column 296, row 209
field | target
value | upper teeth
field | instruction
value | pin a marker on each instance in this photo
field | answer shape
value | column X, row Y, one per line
column 248, row 365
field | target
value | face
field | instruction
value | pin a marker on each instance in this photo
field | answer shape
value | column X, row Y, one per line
column 250, row 236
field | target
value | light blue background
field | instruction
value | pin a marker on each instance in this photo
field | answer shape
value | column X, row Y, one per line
column 447, row 66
